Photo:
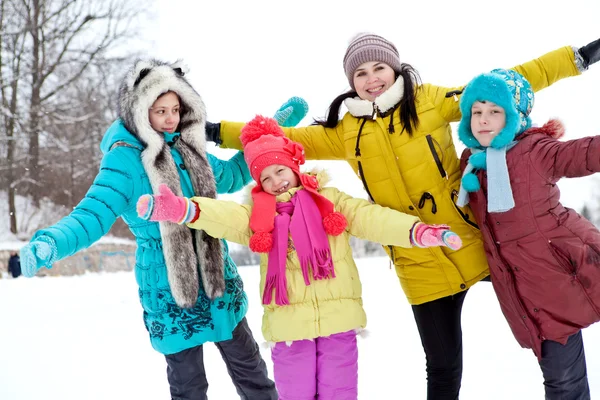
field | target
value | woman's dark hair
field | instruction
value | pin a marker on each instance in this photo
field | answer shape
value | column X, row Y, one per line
column 408, row 108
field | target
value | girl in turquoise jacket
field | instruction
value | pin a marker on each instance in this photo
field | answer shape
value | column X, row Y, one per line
column 189, row 288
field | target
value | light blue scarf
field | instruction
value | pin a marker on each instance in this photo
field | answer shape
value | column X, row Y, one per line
column 500, row 196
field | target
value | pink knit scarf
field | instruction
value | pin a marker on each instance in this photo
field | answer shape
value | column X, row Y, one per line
column 310, row 241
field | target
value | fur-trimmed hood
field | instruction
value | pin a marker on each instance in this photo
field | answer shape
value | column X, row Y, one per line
column 186, row 253
column 143, row 84
column 360, row 108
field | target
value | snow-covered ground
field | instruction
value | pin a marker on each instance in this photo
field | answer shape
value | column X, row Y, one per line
column 82, row 337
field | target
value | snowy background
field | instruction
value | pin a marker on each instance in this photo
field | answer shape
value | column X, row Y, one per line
column 83, row 337
column 76, row 338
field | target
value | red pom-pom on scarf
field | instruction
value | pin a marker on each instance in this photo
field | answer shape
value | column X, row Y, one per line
column 335, row 223
column 261, row 242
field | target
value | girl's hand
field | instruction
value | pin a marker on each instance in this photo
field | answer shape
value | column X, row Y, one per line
column 423, row 235
column 165, row 206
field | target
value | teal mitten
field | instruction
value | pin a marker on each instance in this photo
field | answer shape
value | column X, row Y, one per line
column 40, row 252
column 291, row 112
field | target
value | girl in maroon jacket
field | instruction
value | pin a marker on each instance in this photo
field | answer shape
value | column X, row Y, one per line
column 544, row 258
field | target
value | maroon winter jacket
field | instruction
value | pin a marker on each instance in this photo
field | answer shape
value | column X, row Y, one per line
column 544, row 258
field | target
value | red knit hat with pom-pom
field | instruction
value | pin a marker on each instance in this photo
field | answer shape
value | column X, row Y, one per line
column 265, row 144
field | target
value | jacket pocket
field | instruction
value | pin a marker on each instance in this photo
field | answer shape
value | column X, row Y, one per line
column 431, row 142
column 563, row 259
column 463, row 215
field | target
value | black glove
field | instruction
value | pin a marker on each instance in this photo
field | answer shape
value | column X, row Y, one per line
column 212, row 132
column 590, row 53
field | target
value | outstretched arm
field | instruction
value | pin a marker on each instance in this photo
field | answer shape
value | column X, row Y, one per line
column 319, row 143
column 541, row 72
column 221, row 219
column 561, row 63
column 387, row 226
column 108, row 197
column 231, row 175
column 574, row 158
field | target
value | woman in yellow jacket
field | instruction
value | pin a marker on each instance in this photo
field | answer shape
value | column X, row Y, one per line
column 311, row 291
column 396, row 136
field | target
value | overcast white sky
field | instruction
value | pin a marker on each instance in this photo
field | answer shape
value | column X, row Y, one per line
column 247, row 57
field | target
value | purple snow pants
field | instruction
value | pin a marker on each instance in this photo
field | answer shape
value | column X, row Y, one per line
column 325, row 368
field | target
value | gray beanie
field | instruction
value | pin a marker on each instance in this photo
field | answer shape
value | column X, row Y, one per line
column 366, row 47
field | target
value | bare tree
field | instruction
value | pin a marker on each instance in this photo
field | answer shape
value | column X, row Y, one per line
column 12, row 44
column 59, row 61
column 66, row 38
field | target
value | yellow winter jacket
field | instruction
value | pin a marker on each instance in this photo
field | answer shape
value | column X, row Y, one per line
column 327, row 306
column 416, row 174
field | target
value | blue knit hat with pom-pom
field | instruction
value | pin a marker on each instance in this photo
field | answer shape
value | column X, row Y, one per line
column 505, row 88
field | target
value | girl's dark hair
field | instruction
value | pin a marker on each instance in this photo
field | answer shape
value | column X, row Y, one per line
column 408, row 108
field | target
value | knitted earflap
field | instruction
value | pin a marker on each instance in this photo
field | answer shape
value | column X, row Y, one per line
column 262, row 220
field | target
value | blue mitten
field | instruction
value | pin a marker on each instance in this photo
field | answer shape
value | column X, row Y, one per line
column 39, row 253
column 291, row 112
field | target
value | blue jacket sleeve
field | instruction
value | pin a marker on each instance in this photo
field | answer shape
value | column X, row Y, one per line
column 109, row 196
column 231, row 175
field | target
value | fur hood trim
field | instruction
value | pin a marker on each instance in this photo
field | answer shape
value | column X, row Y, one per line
column 143, row 84
column 360, row 108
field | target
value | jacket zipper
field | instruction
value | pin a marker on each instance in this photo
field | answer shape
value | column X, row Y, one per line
column 454, row 93
column 438, row 161
column 357, row 155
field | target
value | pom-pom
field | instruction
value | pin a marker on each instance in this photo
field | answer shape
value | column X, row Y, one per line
column 470, row 182
column 553, row 128
column 261, row 242
column 478, row 160
column 258, row 127
column 335, row 223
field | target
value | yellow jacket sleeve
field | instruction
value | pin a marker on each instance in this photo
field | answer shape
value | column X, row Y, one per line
column 551, row 67
column 319, row 143
column 541, row 72
column 223, row 219
column 371, row 221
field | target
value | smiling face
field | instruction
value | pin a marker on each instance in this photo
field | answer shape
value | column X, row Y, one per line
column 164, row 113
column 373, row 78
column 487, row 120
column 276, row 179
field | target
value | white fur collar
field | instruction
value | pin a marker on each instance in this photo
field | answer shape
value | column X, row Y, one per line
column 364, row 108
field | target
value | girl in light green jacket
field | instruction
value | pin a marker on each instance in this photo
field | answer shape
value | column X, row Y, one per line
column 311, row 291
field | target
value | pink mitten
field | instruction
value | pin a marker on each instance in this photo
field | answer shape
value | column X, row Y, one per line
column 167, row 207
column 423, row 235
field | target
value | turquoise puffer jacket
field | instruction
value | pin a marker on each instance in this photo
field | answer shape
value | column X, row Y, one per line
column 114, row 193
